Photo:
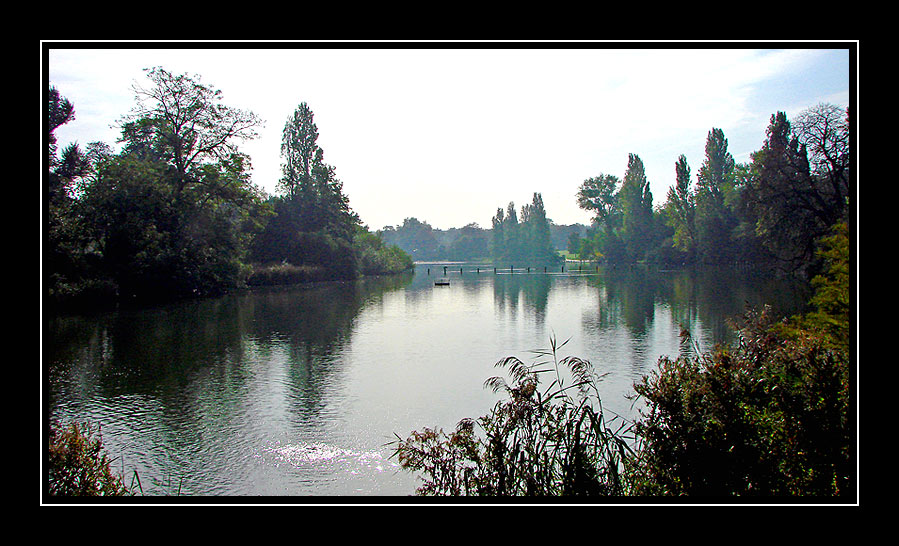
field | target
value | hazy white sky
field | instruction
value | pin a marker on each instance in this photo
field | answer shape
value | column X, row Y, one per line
column 448, row 133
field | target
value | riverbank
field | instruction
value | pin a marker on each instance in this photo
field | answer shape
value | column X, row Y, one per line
column 260, row 275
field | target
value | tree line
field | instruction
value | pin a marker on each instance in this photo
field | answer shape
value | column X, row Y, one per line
column 471, row 242
column 174, row 213
column 771, row 209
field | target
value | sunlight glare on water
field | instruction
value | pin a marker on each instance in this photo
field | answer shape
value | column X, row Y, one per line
column 298, row 391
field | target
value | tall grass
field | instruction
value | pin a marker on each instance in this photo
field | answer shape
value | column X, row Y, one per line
column 78, row 464
column 549, row 436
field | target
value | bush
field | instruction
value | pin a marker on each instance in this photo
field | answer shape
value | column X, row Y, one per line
column 766, row 417
column 378, row 258
column 285, row 273
column 536, row 443
column 78, row 466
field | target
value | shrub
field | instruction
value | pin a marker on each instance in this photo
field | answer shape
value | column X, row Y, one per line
column 766, row 417
column 285, row 273
column 554, row 441
column 78, row 465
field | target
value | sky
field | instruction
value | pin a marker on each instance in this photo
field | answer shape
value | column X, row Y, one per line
column 449, row 132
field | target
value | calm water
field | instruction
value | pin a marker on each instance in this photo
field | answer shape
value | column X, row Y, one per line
column 296, row 391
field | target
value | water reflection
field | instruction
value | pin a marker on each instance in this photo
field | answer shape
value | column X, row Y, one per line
column 185, row 387
column 294, row 391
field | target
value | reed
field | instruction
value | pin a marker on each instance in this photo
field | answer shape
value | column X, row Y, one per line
column 539, row 440
column 78, row 465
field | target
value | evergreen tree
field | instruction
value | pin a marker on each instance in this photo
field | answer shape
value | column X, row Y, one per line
column 511, row 244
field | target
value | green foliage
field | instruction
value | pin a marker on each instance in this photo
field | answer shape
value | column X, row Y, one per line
column 182, row 122
column 625, row 226
column 794, row 200
column 771, row 210
column 831, row 299
column 714, row 220
column 526, row 240
column 769, row 416
column 156, row 240
column 415, row 237
column 169, row 216
column 78, row 465
column 636, row 210
column 680, row 209
column 378, row 258
column 550, row 442
column 832, row 287
column 313, row 224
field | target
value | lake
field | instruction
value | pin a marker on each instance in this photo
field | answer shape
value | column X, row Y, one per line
column 294, row 391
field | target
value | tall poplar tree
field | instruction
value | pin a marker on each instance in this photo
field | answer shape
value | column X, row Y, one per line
column 539, row 240
column 636, row 207
column 314, row 223
column 715, row 221
column 681, row 207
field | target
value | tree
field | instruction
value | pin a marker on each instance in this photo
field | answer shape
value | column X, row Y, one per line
column 636, row 208
column 714, row 184
column 792, row 204
column 681, row 207
column 310, row 184
column 299, row 150
column 184, row 123
column 535, row 238
column 59, row 112
column 511, row 249
column 415, row 237
column 499, row 237
column 824, row 131
column 313, row 222
column 597, row 195
column 68, row 256
column 172, row 214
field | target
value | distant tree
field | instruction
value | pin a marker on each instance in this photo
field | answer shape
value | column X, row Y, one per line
column 525, row 239
column 511, row 245
column 714, row 184
column 497, row 246
column 574, row 242
column 539, row 249
column 471, row 244
column 414, row 237
column 636, row 209
column 598, row 196
column 681, row 207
